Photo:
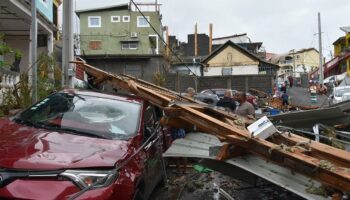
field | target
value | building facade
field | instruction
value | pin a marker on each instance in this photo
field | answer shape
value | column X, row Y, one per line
column 15, row 27
column 341, row 61
column 232, row 59
column 294, row 63
column 120, row 40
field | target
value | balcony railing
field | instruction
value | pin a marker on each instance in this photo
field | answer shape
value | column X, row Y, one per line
column 8, row 78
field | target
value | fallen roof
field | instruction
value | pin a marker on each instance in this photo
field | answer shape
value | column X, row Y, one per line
column 201, row 145
column 183, row 112
column 335, row 115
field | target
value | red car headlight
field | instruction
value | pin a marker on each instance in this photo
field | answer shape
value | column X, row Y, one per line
column 88, row 178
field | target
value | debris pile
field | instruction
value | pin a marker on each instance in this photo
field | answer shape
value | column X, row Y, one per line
column 287, row 150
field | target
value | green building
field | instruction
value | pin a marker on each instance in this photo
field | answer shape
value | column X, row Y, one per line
column 120, row 40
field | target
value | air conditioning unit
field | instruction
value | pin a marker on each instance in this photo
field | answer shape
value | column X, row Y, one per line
column 133, row 34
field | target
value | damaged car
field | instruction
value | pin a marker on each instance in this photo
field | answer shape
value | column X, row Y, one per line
column 82, row 145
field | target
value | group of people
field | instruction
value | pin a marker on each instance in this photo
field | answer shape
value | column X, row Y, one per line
column 229, row 103
column 316, row 87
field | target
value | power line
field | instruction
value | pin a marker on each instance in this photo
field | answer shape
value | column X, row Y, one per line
column 161, row 38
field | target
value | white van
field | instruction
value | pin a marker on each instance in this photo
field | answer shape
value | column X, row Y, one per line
column 338, row 92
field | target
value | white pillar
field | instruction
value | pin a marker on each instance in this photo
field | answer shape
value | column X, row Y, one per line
column 34, row 38
column 68, row 51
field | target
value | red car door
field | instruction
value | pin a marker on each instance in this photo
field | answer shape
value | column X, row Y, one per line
column 154, row 171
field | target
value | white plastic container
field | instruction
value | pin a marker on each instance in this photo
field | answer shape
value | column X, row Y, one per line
column 263, row 128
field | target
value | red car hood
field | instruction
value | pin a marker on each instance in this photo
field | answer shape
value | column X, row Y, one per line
column 23, row 147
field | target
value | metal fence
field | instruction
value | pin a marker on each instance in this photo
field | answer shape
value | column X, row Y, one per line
column 179, row 82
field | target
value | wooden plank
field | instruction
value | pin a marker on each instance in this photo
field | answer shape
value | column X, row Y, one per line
column 212, row 121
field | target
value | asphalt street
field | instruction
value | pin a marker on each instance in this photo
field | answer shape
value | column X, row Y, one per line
column 301, row 96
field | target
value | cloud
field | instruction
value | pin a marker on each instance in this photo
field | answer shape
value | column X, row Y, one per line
column 280, row 24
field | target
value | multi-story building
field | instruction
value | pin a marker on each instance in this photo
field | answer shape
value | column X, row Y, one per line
column 120, row 40
column 15, row 27
column 341, row 61
column 193, row 53
column 295, row 63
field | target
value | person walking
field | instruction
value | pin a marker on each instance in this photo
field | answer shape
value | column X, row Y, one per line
column 285, row 99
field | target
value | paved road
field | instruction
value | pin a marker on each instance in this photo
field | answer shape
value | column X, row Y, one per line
column 301, row 96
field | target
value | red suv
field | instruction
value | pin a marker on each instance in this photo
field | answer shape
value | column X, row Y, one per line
column 82, row 145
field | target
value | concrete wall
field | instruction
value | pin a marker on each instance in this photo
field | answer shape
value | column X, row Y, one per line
column 236, row 70
column 21, row 43
column 196, row 69
column 147, row 66
column 179, row 83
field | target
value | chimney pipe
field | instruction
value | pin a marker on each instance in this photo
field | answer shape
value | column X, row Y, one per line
column 210, row 37
column 195, row 41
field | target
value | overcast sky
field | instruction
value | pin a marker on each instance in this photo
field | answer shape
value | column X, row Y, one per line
column 281, row 25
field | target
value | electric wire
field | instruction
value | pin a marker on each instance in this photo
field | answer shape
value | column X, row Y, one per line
column 161, row 38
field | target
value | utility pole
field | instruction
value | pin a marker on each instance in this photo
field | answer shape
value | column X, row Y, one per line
column 68, row 48
column 195, row 41
column 34, row 44
column 293, row 63
column 320, row 48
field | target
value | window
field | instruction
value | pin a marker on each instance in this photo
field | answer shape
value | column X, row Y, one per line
column 95, row 45
column 142, row 22
column 42, row 40
column 115, row 18
column 227, row 71
column 126, row 18
column 94, row 21
column 103, row 117
column 130, row 45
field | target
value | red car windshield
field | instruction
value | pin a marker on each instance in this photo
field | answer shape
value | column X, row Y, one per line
column 84, row 115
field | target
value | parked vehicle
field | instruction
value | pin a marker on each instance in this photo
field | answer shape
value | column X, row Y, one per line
column 82, row 144
column 338, row 92
column 345, row 97
column 220, row 92
column 207, row 96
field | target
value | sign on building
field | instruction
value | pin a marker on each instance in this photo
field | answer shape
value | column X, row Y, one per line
column 45, row 7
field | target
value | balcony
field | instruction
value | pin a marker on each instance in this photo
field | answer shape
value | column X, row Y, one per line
column 8, row 78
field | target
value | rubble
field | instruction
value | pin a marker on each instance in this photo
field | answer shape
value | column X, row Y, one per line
column 183, row 111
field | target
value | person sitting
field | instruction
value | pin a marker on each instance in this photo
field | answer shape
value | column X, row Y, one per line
column 245, row 108
column 227, row 101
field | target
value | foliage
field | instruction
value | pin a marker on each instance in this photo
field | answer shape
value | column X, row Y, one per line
column 159, row 78
column 17, row 97
column 18, row 55
column 4, row 50
column 49, row 75
column 49, row 80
